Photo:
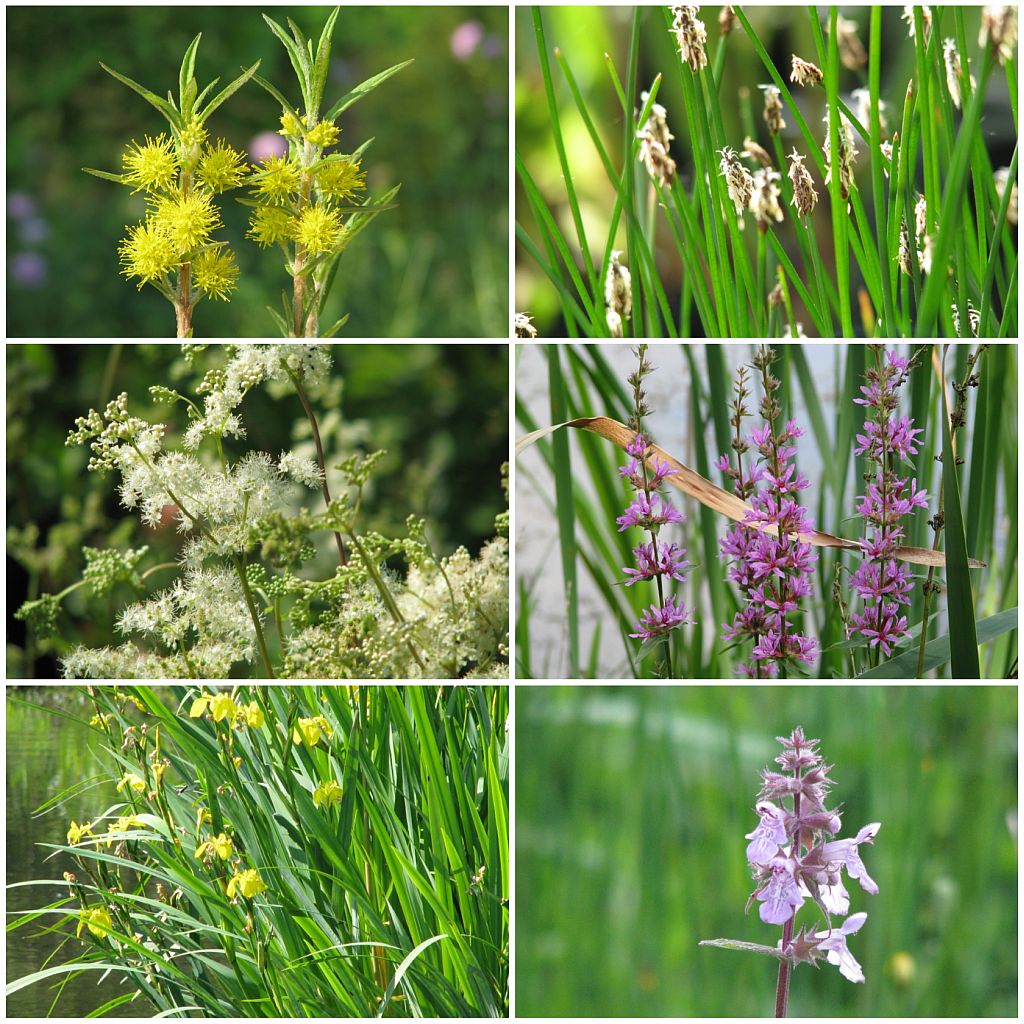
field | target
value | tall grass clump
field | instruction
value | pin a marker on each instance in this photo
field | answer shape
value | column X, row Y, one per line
column 746, row 197
column 291, row 852
column 852, row 512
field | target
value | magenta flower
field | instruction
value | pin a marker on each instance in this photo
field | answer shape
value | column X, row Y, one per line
column 772, row 569
column 882, row 582
column 658, row 621
column 666, row 560
column 657, row 561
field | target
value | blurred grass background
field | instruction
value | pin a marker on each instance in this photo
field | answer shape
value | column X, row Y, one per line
column 436, row 266
column 630, row 814
column 440, row 411
column 585, row 35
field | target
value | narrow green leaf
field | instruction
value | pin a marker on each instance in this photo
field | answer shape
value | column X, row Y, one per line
column 960, row 597
column 187, row 75
column 163, row 106
column 226, row 92
column 119, row 178
column 323, row 57
column 296, row 55
column 363, row 89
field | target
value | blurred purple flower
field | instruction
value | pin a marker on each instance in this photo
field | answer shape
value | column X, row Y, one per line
column 466, row 39
column 29, row 269
column 265, row 145
column 20, row 205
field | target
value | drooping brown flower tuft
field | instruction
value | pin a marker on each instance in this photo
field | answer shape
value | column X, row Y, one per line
column 999, row 28
column 805, row 73
column 757, row 153
column 773, row 108
column 851, row 50
column 691, row 36
column 654, row 139
column 726, row 19
column 804, row 196
column 738, row 180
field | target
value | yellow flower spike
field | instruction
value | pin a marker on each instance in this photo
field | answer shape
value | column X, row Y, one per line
column 278, row 180
column 221, row 167
column 199, row 706
column 327, row 794
column 215, row 271
column 96, row 919
column 76, row 833
column 222, row 706
column 133, row 780
column 271, row 224
column 147, row 253
column 324, row 134
column 186, row 220
column 254, row 717
column 248, row 883
column 151, row 166
column 319, row 229
column 340, row 179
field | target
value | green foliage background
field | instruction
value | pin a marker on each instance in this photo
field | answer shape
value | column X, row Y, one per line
column 437, row 266
column 441, row 411
column 630, row 815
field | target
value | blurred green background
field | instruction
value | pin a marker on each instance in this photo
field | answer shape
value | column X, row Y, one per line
column 440, row 411
column 632, row 805
column 585, row 35
column 437, row 266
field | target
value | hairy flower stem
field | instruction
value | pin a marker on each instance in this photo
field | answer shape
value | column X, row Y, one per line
column 311, row 416
column 785, row 967
column 183, row 302
column 303, row 325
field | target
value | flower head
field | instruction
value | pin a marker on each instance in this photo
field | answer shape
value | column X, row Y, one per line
column 247, row 883
column 151, row 166
column 805, row 73
column 657, row 621
column 691, row 36
column 270, row 224
column 323, row 134
column 133, row 781
column 96, row 919
column 215, row 271
column 310, row 730
column 319, row 229
column 187, row 220
column 738, row 180
column 804, row 196
column 221, row 845
column 327, row 794
column 340, row 179
column 76, row 832
column 221, row 168
column 147, row 253
column 773, row 108
column 277, row 179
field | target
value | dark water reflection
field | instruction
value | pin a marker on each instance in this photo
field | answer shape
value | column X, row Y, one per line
column 46, row 754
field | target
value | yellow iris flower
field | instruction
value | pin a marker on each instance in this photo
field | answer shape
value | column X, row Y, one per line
column 327, row 794
column 222, row 846
column 248, row 883
column 96, row 919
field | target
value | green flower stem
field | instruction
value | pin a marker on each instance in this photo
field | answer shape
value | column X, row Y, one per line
column 253, row 614
column 385, row 593
column 303, row 325
column 311, row 416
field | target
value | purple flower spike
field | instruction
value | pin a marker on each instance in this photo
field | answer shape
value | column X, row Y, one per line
column 658, row 561
column 795, row 860
column 881, row 581
column 772, row 569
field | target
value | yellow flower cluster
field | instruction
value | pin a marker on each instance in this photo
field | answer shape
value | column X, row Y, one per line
column 302, row 208
column 222, row 846
column 181, row 177
column 310, row 730
column 96, row 919
column 327, row 794
column 248, row 883
column 222, row 706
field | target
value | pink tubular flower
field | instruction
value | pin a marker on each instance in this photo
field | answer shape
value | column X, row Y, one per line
column 645, row 513
column 795, row 860
column 833, row 943
column 666, row 560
